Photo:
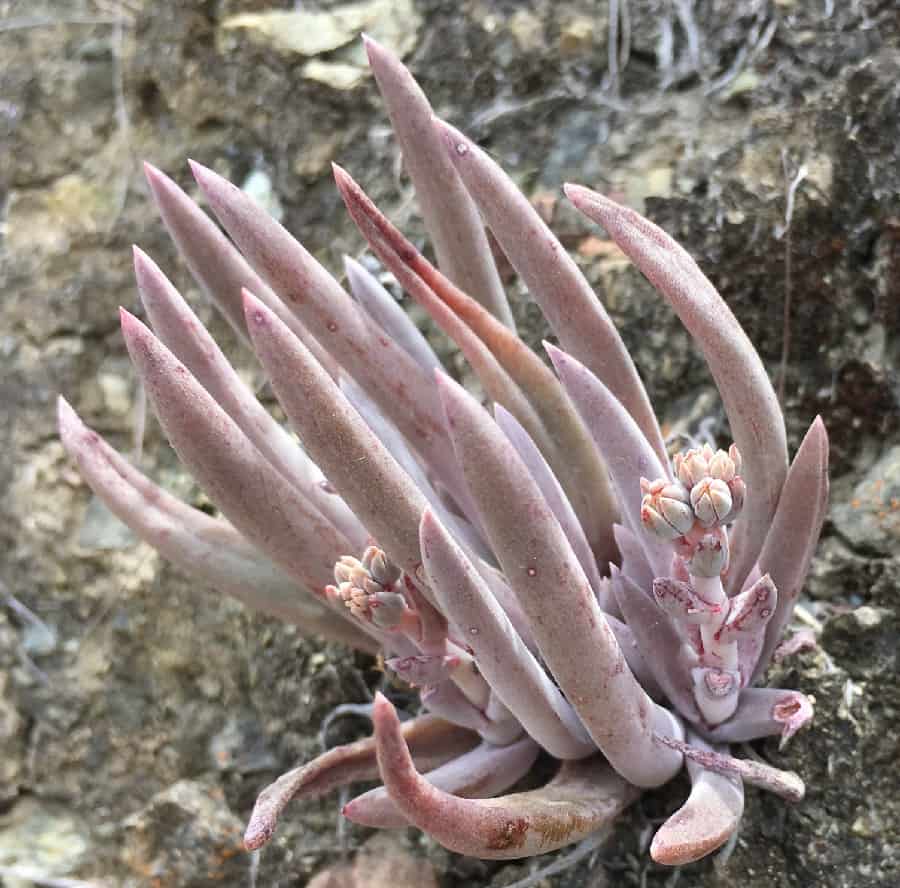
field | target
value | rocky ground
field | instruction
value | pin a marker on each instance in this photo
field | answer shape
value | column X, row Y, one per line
column 139, row 715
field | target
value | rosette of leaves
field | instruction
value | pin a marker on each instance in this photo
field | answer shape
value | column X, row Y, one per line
column 538, row 566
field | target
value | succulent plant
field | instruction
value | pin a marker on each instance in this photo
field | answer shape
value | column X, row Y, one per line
column 541, row 570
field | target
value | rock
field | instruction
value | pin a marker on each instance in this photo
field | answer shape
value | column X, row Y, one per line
column 311, row 33
column 186, row 837
column 382, row 862
column 40, row 837
column 870, row 521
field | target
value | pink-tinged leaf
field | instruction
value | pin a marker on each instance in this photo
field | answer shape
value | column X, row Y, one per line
column 574, row 638
column 556, row 498
column 341, row 444
column 204, row 547
column 273, row 515
column 449, row 702
column 656, row 633
column 633, row 558
column 390, row 376
column 585, row 796
column 216, row 265
column 381, row 306
column 479, row 774
column 794, row 532
column 621, row 444
column 750, row 401
column 705, row 821
column 397, row 446
column 765, row 712
column 551, row 275
column 509, row 371
column 785, row 784
column 183, row 334
column 432, row 742
column 506, row 598
column 508, row 666
column 450, row 216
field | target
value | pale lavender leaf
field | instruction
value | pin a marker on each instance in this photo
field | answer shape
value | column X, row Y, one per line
column 705, row 821
column 764, row 712
column 450, row 216
column 381, row 306
column 623, row 447
column 390, row 436
column 657, row 635
column 273, row 515
column 506, row 663
column 750, row 401
column 585, row 796
column 185, row 336
column 794, row 532
column 554, row 495
column 205, row 547
column 481, row 773
column 510, row 372
column 573, row 636
column 571, row 307
column 634, row 562
column 447, row 700
column 392, row 378
column 216, row 265
column 371, row 482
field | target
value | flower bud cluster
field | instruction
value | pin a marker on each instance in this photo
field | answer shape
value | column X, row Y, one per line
column 712, row 478
column 366, row 587
column 692, row 509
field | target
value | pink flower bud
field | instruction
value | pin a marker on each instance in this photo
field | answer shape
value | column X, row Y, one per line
column 665, row 509
column 711, row 501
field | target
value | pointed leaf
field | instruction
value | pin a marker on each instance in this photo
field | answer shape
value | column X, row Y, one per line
column 479, row 774
column 794, row 532
column 379, row 365
column 554, row 495
column 451, row 218
column 507, row 665
column 216, row 265
column 750, row 401
column 623, row 448
column 566, row 299
column 205, row 547
column 378, row 491
column 236, row 476
column 432, row 742
column 573, row 636
column 181, row 332
column 585, row 796
column 380, row 305
column 510, row 372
